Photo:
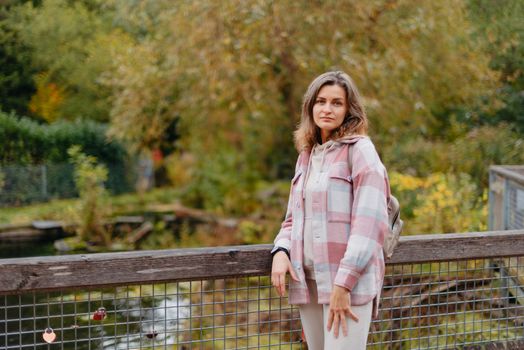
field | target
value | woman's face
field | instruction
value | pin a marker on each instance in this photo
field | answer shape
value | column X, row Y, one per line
column 330, row 109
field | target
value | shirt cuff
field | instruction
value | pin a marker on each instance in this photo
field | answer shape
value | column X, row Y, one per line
column 346, row 278
column 277, row 249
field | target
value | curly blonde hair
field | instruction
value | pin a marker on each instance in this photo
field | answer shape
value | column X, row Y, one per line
column 355, row 122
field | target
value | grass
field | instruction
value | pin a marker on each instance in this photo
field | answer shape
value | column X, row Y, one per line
column 55, row 209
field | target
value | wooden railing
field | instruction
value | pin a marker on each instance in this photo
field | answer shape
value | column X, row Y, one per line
column 111, row 269
column 426, row 274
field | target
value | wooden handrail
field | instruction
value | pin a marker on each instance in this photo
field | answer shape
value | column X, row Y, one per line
column 49, row 273
column 512, row 172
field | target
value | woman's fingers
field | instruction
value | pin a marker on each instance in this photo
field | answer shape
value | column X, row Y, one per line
column 344, row 325
column 336, row 324
column 333, row 322
column 281, row 265
column 275, row 280
column 292, row 273
column 337, row 319
column 278, row 280
column 352, row 315
column 340, row 310
column 282, row 282
column 330, row 320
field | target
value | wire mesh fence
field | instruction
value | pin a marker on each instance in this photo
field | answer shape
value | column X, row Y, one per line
column 24, row 184
column 448, row 305
column 438, row 305
column 213, row 314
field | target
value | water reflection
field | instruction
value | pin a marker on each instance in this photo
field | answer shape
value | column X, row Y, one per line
column 136, row 317
column 25, row 249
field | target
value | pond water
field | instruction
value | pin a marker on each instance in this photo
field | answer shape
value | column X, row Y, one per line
column 28, row 249
column 133, row 318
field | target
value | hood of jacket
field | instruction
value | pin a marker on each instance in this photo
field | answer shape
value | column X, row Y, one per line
column 350, row 139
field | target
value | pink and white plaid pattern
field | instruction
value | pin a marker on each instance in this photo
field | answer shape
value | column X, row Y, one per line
column 347, row 241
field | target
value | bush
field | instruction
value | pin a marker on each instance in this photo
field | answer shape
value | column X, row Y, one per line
column 440, row 203
column 28, row 147
column 28, row 142
column 93, row 207
column 471, row 153
column 222, row 182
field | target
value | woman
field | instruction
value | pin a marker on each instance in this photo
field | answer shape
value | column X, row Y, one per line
column 331, row 239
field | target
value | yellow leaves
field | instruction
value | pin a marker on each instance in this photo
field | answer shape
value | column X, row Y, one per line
column 440, row 203
column 48, row 98
column 233, row 59
column 406, row 182
column 180, row 169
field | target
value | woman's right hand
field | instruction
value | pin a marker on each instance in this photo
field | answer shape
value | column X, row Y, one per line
column 281, row 265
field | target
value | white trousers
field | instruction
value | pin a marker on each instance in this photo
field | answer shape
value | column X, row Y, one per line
column 314, row 319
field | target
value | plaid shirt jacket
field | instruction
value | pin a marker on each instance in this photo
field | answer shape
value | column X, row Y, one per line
column 353, row 219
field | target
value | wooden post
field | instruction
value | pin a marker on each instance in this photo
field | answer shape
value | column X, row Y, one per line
column 497, row 186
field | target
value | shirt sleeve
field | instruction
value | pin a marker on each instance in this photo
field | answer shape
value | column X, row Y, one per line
column 369, row 218
column 283, row 238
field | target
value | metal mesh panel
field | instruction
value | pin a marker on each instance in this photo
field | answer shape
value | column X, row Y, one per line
column 450, row 305
column 444, row 305
column 515, row 205
column 24, row 184
column 36, row 183
column 238, row 313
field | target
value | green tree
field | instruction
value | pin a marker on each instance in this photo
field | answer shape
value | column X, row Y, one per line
column 502, row 24
column 234, row 72
column 16, row 85
column 73, row 43
column 228, row 77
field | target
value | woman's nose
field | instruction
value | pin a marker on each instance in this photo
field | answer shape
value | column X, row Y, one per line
column 326, row 108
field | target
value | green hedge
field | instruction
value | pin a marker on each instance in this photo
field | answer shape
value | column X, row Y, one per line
column 27, row 145
column 25, row 141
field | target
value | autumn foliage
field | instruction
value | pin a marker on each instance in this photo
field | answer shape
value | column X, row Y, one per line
column 224, row 81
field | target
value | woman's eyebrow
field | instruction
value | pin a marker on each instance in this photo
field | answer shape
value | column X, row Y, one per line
column 334, row 98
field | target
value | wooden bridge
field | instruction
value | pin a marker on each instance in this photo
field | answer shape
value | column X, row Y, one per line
column 442, row 291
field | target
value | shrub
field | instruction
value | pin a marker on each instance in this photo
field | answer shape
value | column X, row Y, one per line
column 471, row 153
column 440, row 203
column 28, row 146
column 93, row 206
column 222, row 182
column 28, row 142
